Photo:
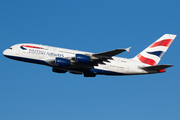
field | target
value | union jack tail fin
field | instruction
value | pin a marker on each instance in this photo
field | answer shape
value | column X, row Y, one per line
column 153, row 54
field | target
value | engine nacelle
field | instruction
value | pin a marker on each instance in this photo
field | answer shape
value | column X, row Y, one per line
column 62, row 62
column 82, row 58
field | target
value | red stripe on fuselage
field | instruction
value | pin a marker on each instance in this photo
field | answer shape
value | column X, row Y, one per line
column 166, row 43
column 32, row 46
column 146, row 60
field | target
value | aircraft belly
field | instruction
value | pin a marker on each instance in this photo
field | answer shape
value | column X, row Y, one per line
column 107, row 70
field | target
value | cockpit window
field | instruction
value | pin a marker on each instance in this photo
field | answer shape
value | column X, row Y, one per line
column 10, row 48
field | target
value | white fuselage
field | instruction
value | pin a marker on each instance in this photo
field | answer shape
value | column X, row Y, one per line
column 46, row 54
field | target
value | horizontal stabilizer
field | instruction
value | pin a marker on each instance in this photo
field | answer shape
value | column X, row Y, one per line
column 156, row 67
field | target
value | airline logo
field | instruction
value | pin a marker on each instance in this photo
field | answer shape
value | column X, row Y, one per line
column 165, row 43
column 24, row 47
column 146, row 60
column 154, row 52
column 39, row 50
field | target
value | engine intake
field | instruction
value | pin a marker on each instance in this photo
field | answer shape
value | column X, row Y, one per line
column 62, row 62
column 82, row 58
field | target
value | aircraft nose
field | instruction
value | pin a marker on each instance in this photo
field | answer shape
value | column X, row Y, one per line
column 5, row 52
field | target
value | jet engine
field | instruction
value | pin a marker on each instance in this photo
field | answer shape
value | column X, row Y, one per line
column 62, row 62
column 82, row 58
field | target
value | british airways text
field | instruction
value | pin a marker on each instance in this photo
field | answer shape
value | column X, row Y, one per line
column 45, row 53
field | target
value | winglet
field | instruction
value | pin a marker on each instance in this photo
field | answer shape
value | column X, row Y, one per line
column 127, row 49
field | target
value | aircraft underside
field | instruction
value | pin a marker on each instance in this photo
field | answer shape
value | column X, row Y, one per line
column 88, row 71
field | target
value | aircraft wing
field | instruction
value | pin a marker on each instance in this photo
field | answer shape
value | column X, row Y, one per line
column 112, row 52
column 99, row 58
column 95, row 59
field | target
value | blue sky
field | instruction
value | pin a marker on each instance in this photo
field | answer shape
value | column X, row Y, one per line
column 30, row 91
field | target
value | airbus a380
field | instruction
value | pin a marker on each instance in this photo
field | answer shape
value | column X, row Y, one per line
column 91, row 64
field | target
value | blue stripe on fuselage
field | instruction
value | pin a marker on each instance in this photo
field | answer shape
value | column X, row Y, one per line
column 106, row 72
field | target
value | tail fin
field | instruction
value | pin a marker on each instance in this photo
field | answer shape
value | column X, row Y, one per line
column 153, row 54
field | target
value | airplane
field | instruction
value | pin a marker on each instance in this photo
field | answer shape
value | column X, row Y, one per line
column 91, row 64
